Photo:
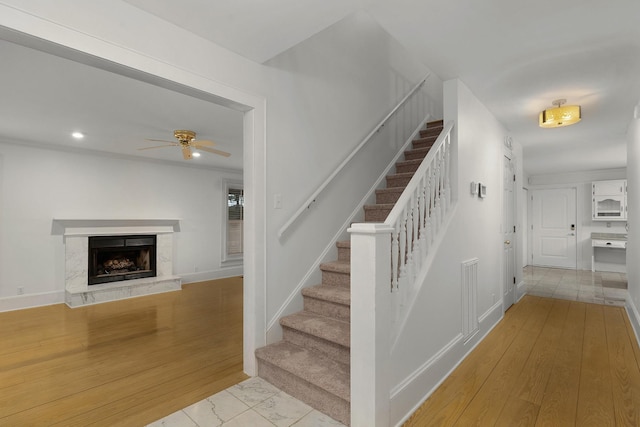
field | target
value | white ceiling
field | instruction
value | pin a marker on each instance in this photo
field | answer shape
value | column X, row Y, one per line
column 516, row 57
column 45, row 98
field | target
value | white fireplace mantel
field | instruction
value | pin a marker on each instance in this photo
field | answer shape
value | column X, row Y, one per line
column 105, row 227
column 76, row 234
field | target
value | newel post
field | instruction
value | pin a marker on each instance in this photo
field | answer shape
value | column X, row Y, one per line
column 370, row 324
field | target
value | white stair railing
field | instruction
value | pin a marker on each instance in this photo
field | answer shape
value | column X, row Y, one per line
column 386, row 260
column 417, row 217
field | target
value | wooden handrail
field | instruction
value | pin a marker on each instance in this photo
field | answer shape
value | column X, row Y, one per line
column 313, row 198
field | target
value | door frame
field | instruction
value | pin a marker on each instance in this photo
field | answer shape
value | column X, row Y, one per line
column 508, row 154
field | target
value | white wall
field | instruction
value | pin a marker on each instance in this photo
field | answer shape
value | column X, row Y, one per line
column 431, row 344
column 325, row 95
column 581, row 181
column 633, row 200
column 38, row 185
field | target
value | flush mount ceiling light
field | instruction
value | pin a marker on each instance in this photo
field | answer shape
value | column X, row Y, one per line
column 77, row 135
column 559, row 115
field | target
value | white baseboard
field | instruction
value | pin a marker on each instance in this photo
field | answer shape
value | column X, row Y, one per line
column 435, row 370
column 634, row 317
column 203, row 276
column 20, row 302
column 521, row 290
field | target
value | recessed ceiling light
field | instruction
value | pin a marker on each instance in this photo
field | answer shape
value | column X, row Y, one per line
column 196, row 154
column 77, row 135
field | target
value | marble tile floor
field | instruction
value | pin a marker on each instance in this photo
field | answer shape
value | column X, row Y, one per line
column 577, row 285
column 254, row 403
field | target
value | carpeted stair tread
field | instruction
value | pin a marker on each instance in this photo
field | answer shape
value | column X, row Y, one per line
column 314, row 368
column 332, row 330
column 336, row 266
column 344, row 244
column 389, row 195
column 427, row 139
column 401, row 175
column 333, row 294
column 416, row 153
column 391, row 190
column 436, row 123
column 414, row 164
column 423, row 142
column 434, row 130
column 409, row 162
column 379, row 206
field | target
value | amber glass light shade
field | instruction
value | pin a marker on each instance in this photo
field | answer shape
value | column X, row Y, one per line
column 562, row 115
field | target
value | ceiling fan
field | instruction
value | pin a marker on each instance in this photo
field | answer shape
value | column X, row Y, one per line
column 187, row 141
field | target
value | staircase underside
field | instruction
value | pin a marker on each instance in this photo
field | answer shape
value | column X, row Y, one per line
column 312, row 361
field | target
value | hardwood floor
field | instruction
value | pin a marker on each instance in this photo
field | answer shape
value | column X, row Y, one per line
column 124, row 363
column 550, row 362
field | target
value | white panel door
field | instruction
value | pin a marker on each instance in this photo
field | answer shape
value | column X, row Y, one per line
column 554, row 227
column 509, row 235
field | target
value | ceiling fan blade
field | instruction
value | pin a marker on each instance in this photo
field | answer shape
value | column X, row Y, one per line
column 214, row 151
column 159, row 140
column 157, row 146
column 202, row 142
column 186, row 153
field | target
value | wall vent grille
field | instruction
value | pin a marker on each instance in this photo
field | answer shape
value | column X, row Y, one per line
column 469, row 298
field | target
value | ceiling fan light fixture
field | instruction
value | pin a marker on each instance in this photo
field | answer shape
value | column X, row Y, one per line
column 559, row 116
column 195, row 154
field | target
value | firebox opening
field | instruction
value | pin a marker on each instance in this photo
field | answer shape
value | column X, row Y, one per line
column 116, row 258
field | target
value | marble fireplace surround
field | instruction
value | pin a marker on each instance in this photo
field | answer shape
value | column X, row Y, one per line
column 76, row 234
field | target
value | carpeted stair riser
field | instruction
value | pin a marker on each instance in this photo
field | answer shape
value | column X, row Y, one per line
column 399, row 180
column 327, row 308
column 330, row 337
column 388, row 195
column 326, row 348
column 312, row 394
column 430, row 131
column 408, row 166
column 344, row 250
column 333, row 278
column 423, row 142
column 418, row 153
column 336, row 273
column 330, row 301
column 377, row 213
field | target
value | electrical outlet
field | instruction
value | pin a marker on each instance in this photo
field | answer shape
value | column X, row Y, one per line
column 20, row 290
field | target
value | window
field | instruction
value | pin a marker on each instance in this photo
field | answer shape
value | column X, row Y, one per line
column 234, row 217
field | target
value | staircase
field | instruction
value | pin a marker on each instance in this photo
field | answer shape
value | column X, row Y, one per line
column 312, row 361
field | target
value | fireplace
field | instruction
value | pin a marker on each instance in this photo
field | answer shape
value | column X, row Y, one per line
column 117, row 258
